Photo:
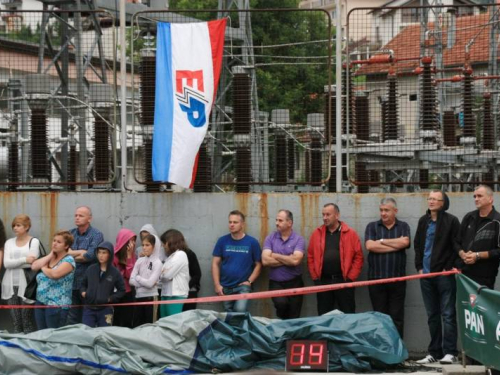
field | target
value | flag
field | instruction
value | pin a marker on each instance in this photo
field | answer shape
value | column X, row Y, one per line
column 188, row 65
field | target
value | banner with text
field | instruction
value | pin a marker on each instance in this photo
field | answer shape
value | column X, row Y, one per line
column 478, row 313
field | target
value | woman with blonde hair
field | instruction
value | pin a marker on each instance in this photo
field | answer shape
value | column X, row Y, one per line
column 19, row 253
column 55, row 282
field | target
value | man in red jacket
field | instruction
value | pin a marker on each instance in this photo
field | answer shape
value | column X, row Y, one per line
column 334, row 256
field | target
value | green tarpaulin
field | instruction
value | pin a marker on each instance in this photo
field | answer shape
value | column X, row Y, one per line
column 200, row 341
column 478, row 315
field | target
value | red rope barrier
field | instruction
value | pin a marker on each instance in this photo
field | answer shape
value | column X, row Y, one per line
column 256, row 295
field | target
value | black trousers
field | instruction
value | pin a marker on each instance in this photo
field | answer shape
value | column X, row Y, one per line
column 390, row 299
column 190, row 306
column 287, row 307
column 486, row 280
column 124, row 315
column 343, row 299
column 143, row 314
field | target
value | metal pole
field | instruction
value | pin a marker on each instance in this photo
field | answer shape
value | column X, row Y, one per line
column 65, row 92
column 338, row 96
column 123, row 94
column 82, row 118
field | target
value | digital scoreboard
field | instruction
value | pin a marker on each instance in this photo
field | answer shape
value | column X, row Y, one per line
column 306, row 355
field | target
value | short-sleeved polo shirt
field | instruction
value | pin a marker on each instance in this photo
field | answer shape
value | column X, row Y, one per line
column 385, row 265
column 276, row 244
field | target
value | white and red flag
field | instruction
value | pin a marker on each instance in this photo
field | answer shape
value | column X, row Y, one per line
column 188, row 65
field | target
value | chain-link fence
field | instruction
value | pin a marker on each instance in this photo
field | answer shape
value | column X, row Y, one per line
column 57, row 99
column 267, row 129
column 422, row 97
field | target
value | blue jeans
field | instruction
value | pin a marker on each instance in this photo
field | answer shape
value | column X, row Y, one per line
column 51, row 317
column 237, row 306
column 98, row 317
column 439, row 300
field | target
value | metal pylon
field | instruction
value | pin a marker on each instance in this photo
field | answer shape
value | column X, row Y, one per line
column 71, row 34
column 221, row 113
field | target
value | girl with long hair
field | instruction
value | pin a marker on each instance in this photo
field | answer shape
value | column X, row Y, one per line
column 175, row 272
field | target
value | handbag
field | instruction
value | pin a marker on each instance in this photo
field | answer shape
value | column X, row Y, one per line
column 30, row 275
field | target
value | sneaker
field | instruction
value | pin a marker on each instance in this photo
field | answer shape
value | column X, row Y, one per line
column 448, row 359
column 428, row 359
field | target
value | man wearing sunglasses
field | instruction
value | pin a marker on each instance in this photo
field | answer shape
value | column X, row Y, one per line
column 436, row 247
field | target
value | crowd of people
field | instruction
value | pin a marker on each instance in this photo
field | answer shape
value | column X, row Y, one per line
column 85, row 272
column 82, row 269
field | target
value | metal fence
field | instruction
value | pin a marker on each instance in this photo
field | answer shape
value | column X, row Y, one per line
column 419, row 100
column 268, row 126
column 57, row 99
column 422, row 97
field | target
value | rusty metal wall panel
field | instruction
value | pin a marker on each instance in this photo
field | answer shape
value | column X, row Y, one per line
column 202, row 217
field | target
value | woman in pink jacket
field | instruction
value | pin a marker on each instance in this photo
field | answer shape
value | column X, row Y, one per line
column 124, row 260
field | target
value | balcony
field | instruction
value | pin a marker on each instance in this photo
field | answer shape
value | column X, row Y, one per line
column 10, row 3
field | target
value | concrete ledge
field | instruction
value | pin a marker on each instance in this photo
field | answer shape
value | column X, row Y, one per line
column 460, row 370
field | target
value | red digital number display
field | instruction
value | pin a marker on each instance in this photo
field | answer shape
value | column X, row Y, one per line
column 306, row 355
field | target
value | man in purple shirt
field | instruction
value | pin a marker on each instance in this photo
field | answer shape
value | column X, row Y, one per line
column 283, row 253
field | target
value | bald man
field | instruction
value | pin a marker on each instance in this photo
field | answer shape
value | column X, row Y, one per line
column 87, row 238
column 480, row 241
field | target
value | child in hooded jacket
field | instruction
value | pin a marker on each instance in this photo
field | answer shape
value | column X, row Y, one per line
column 145, row 278
column 101, row 284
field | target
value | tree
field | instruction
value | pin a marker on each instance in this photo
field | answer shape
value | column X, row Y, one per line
column 296, row 86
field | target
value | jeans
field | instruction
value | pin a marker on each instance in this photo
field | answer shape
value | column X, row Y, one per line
column 22, row 319
column 344, row 298
column 439, row 300
column 287, row 307
column 98, row 317
column 240, row 305
column 50, row 317
column 75, row 313
column 390, row 299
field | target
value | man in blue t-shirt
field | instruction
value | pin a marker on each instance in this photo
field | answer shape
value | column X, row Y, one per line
column 236, row 262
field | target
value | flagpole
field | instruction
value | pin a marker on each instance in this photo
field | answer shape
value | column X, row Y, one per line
column 123, row 95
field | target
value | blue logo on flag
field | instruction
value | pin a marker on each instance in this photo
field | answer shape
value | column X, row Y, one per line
column 190, row 92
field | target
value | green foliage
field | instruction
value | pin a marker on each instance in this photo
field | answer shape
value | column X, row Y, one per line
column 296, row 87
column 24, row 34
column 138, row 41
column 196, row 5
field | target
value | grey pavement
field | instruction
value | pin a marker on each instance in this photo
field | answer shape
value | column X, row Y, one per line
column 412, row 368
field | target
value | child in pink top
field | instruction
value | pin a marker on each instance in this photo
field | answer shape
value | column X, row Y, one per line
column 125, row 260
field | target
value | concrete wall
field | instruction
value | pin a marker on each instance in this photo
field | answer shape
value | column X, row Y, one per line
column 203, row 218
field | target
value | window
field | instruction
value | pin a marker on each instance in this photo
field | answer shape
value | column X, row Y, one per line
column 410, row 15
column 412, row 97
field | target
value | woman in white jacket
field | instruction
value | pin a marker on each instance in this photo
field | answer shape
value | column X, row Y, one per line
column 175, row 272
column 19, row 253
